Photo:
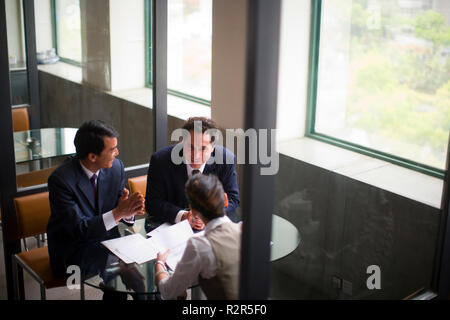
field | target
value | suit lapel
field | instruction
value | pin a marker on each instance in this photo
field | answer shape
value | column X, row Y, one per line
column 180, row 177
column 85, row 187
column 102, row 182
column 208, row 168
column 181, row 173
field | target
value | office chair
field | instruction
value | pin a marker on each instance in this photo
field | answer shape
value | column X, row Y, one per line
column 33, row 213
column 138, row 184
column 20, row 118
column 34, row 177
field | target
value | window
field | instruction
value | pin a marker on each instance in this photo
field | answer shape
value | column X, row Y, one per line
column 67, row 30
column 189, row 49
column 380, row 79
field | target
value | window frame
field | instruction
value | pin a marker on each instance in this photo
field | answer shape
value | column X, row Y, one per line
column 148, row 60
column 313, row 69
column 55, row 36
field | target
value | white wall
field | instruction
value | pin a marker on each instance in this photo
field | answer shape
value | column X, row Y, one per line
column 14, row 25
column 229, row 43
column 293, row 68
column 127, row 31
column 43, row 22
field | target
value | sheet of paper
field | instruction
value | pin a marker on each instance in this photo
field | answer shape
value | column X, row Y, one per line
column 173, row 236
column 143, row 251
column 120, row 246
column 175, row 255
column 159, row 229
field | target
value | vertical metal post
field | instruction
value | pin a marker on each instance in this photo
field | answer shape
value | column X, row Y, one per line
column 261, row 101
column 7, row 162
column 159, row 73
column 441, row 276
column 32, row 71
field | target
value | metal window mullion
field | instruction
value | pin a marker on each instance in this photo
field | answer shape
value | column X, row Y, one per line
column 314, row 44
column 159, row 73
column 32, row 71
column 7, row 164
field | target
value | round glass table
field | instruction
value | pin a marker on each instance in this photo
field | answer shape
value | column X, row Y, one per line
column 109, row 273
column 45, row 143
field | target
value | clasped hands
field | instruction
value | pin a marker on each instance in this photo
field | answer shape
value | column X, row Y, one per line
column 195, row 222
column 129, row 205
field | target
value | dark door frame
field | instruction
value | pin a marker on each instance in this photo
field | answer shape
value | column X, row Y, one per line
column 259, row 190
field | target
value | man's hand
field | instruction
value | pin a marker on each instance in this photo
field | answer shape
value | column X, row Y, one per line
column 195, row 222
column 129, row 206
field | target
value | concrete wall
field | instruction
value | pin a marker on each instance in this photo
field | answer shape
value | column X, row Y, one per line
column 68, row 104
column 346, row 226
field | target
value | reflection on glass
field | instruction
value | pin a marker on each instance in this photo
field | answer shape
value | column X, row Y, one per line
column 43, row 143
column 39, row 151
column 189, row 47
column 68, row 30
column 16, row 52
column 384, row 76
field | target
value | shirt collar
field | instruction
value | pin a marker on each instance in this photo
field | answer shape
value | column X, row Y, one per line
column 189, row 169
column 88, row 172
column 214, row 223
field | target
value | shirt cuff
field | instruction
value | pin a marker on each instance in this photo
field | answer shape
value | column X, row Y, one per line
column 129, row 220
column 109, row 221
column 179, row 215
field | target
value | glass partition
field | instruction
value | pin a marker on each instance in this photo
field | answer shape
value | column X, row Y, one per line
column 16, row 52
column 358, row 240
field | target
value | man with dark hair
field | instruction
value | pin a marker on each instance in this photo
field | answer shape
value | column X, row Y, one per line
column 165, row 197
column 87, row 197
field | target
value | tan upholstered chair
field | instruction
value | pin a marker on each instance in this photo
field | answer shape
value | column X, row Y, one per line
column 138, row 184
column 33, row 212
column 21, row 121
column 34, row 177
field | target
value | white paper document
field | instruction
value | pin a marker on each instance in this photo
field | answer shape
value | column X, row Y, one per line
column 159, row 229
column 174, row 235
column 135, row 248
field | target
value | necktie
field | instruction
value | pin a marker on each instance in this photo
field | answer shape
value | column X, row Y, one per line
column 94, row 188
column 195, row 171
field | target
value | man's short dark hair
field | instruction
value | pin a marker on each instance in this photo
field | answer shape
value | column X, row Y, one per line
column 89, row 137
column 207, row 124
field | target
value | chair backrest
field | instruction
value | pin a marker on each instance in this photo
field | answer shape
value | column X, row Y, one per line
column 34, row 177
column 21, row 121
column 33, row 213
column 138, row 184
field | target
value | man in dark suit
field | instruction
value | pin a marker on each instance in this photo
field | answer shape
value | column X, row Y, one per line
column 165, row 195
column 87, row 197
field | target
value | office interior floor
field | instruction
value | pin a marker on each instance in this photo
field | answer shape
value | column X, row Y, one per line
column 32, row 291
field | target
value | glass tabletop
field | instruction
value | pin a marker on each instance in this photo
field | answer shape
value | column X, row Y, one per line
column 109, row 273
column 43, row 143
column 114, row 275
column 285, row 238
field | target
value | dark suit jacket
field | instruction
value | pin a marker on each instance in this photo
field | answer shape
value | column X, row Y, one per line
column 75, row 222
column 165, row 195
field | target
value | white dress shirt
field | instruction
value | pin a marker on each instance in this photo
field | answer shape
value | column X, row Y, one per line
column 189, row 170
column 108, row 217
column 198, row 259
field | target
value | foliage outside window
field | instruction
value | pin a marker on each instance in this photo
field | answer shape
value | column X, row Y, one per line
column 67, row 30
column 189, row 49
column 381, row 79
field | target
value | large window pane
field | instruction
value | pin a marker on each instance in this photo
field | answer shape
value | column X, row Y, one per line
column 189, row 47
column 384, row 76
column 68, row 32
